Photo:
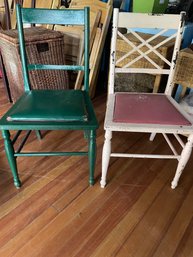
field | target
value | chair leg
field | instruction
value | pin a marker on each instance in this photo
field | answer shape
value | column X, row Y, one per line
column 156, row 83
column 92, row 155
column 152, row 136
column 185, row 155
column 38, row 134
column 86, row 134
column 106, row 157
column 11, row 158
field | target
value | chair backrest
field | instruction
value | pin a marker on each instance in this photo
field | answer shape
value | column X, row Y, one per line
column 137, row 52
column 79, row 17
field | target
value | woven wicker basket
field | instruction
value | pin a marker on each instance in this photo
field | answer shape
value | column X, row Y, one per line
column 184, row 68
column 123, row 48
column 43, row 46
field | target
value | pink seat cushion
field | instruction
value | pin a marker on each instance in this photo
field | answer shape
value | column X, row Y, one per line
column 146, row 108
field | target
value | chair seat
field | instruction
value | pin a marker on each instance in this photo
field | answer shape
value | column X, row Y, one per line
column 146, row 109
column 50, row 105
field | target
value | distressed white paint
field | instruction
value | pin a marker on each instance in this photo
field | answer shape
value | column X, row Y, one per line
column 146, row 21
column 150, row 48
column 139, row 46
column 185, row 155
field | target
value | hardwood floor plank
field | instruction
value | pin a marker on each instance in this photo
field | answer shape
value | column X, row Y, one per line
column 74, row 215
column 91, row 230
column 62, row 238
column 155, row 226
column 177, row 229
column 57, row 214
column 119, row 234
column 185, row 246
column 16, row 220
column 26, row 193
column 16, row 243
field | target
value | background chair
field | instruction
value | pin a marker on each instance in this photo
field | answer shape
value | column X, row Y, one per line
column 144, row 112
column 51, row 109
column 10, row 8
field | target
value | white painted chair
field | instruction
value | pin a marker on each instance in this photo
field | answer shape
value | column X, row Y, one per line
column 146, row 112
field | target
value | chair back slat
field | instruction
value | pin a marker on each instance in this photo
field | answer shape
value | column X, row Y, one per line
column 148, row 20
column 54, row 67
column 52, row 16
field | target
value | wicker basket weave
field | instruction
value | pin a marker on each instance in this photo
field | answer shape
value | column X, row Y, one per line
column 184, row 68
column 43, row 46
column 123, row 48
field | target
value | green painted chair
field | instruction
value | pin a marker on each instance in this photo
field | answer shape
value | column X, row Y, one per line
column 51, row 109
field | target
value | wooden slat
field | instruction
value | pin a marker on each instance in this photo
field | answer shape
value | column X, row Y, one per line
column 73, row 38
column 94, row 71
column 73, row 41
column 135, row 20
column 94, row 6
column 39, row 3
column 50, row 4
column 104, row 18
column 97, row 58
column 95, row 48
column 79, row 79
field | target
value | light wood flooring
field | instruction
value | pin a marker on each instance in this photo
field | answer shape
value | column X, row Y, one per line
column 56, row 212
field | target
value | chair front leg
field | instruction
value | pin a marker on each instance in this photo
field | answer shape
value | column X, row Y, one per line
column 92, row 155
column 11, row 158
column 106, row 157
column 185, row 155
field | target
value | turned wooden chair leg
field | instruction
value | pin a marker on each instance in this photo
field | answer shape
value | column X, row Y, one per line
column 106, row 157
column 185, row 155
column 11, row 158
column 92, row 155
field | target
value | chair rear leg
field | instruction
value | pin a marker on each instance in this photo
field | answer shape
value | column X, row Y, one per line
column 92, row 155
column 152, row 136
column 185, row 155
column 106, row 157
column 11, row 158
column 86, row 134
column 38, row 134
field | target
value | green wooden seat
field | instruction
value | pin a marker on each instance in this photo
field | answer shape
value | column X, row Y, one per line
column 51, row 109
column 50, row 105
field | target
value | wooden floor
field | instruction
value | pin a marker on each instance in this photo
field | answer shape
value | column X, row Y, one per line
column 56, row 213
